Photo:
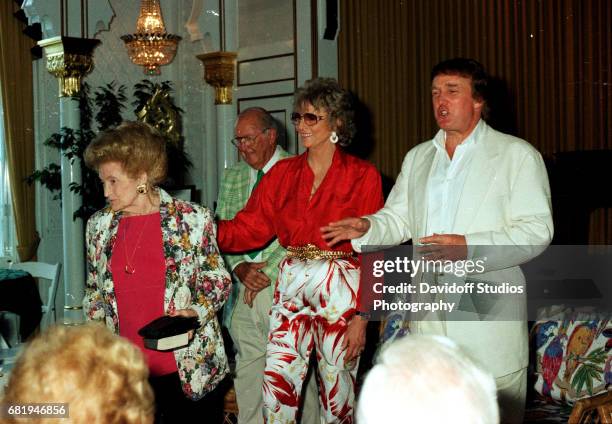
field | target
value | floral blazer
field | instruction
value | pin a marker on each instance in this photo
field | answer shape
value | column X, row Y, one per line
column 195, row 278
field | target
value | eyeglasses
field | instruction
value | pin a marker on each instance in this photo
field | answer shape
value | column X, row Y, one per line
column 247, row 140
column 310, row 119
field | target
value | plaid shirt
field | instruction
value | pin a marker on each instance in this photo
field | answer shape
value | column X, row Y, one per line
column 233, row 195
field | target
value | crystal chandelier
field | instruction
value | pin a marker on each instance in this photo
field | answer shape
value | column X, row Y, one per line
column 151, row 46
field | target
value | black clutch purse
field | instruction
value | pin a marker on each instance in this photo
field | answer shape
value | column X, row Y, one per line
column 167, row 333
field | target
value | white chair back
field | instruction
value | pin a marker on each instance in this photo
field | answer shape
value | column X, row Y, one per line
column 49, row 272
column 9, row 322
column 5, row 262
column 10, row 335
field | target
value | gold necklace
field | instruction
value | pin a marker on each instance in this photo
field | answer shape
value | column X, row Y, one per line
column 129, row 269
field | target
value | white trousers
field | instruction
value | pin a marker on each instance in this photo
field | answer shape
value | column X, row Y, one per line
column 312, row 302
column 249, row 330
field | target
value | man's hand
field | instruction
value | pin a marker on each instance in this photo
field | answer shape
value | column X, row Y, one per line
column 354, row 338
column 345, row 229
column 251, row 275
column 249, row 297
column 450, row 247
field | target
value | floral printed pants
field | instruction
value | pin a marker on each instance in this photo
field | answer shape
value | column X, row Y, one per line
column 313, row 300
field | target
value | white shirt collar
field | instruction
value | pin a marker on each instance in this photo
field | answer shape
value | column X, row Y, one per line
column 275, row 157
column 271, row 162
column 439, row 139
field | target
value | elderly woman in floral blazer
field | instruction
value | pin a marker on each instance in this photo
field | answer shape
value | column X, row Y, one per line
column 148, row 255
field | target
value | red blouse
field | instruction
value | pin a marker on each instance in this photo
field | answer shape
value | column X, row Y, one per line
column 281, row 206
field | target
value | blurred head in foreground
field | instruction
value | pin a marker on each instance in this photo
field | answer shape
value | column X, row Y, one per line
column 102, row 377
column 427, row 379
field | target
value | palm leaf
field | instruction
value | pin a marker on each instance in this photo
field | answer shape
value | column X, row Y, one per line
column 597, row 356
column 584, row 375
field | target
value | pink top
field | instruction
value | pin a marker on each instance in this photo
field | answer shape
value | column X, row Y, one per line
column 140, row 295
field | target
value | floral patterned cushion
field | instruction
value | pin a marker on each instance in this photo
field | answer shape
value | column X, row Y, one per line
column 572, row 356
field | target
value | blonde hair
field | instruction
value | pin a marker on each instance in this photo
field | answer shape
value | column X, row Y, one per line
column 137, row 146
column 102, row 377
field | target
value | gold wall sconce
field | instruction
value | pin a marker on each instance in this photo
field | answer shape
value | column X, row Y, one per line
column 69, row 59
column 219, row 72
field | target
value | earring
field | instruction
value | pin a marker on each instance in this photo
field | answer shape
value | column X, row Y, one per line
column 333, row 137
column 142, row 188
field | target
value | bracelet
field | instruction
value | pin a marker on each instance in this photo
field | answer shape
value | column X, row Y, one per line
column 365, row 315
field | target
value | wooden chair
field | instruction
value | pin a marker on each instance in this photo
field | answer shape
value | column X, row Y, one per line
column 49, row 272
column 596, row 409
column 230, row 407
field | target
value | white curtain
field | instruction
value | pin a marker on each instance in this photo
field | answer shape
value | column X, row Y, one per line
column 8, row 240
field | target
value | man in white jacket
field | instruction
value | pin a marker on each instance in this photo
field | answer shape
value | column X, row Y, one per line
column 468, row 186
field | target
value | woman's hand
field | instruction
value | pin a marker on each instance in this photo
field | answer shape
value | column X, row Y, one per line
column 188, row 313
column 354, row 338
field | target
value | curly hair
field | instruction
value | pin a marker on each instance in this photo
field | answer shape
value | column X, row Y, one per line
column 102, row 377
column 327, row 95
column 137, row 146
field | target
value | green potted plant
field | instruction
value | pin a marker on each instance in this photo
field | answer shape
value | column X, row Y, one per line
column 154, row 104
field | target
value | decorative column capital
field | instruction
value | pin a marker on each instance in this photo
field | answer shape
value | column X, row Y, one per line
column 69, row 59
column 219, row 72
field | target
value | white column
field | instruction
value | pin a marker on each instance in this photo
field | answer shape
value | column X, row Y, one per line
column 220, row 153
column 219, row 69
column 212, row 168
column 226, row 152
column 69, row 59
column 72, row 229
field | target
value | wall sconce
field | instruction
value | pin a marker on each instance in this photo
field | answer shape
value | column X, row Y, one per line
column 151, row 46
column 69, row 59
column 219, row 72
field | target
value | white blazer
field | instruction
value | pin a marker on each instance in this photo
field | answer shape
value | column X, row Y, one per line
column 505, row 202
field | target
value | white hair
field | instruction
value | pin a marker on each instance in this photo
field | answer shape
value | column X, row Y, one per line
column 427, row 379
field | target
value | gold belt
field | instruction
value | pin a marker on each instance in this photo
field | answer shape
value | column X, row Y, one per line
column 310, row 251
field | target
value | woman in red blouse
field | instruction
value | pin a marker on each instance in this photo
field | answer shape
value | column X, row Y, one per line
column 316, row 297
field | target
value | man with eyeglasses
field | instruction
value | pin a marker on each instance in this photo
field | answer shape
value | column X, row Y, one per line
column 246, row 313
